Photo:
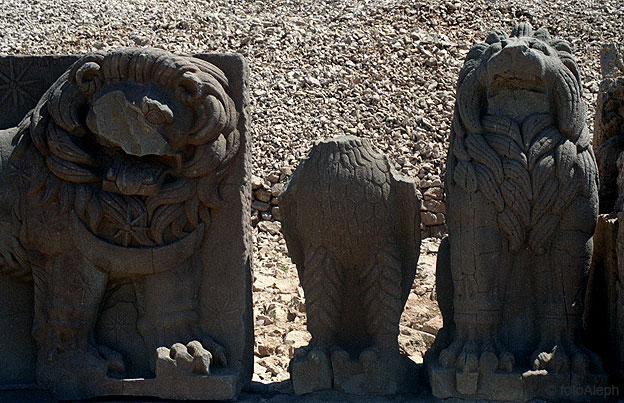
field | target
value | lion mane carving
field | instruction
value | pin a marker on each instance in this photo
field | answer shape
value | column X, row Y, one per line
column 117, row 170
column 522, row 207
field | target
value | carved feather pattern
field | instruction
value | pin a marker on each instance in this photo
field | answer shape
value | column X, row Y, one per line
column 347, row 216
column 322, row 283
column 381, row 290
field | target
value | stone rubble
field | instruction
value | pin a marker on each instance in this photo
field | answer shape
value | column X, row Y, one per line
column 385, row 70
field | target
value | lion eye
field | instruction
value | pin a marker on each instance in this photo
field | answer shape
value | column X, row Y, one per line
column 155, row 112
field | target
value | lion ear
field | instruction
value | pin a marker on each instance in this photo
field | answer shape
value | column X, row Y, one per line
column 561, row 46
column 189, row 88
column 89, row 77
column 64, row 105
column 496, row 35
column 542, row 34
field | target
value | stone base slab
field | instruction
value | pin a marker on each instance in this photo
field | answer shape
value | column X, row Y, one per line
column 219, row 385
column 518, row 385
column 371, row 374
column 310, row 372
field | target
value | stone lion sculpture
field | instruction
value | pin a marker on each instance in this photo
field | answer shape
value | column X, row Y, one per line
column 522, row 207
column 114, row 174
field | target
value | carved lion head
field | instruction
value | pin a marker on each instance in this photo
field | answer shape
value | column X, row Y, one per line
column 527, row 68
column 138, row 140
column 519, row 133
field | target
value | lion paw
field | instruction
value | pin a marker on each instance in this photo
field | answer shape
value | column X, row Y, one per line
column 218, row 352
column 181, row 360
column 69, row 373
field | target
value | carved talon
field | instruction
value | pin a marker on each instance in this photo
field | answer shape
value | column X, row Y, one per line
column 473, row 355
column 316, row 355
column 369, row 358
column 448, row 356
column 553, row 359
column 468, row 360
column 488, row 361
column 506, row 360
column 339, row 355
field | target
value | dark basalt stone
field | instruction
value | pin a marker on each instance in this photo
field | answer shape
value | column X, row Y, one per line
column 522, row 204
column 124, row 215
column 352, row 227
column 604, row 313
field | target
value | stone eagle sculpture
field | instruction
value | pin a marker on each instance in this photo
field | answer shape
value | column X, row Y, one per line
column 352, row 227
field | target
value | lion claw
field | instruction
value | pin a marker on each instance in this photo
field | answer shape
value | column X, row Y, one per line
column 181, row 360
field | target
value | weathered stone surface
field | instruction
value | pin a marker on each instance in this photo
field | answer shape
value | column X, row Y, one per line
column 604, row 314
column 25, row 79
column 521, row 207
column 351, row 224
column 310, row 371
column 609, row 130
column 125, row 214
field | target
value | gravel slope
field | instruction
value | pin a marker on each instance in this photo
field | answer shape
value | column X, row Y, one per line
column 379, row 69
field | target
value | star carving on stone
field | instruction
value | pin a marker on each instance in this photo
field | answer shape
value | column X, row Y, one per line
column 48, row 226
column 13, row 86
column 84, row 284
column 117, row 326
column 130, row 228
column 223, row 314
column 20, row 171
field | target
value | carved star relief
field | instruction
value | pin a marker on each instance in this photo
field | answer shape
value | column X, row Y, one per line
column 20, row 171
column 130, row 228
column 116, row 326
column 82, row 283
column 48, row 226
column 223, row 313
column 14, row 86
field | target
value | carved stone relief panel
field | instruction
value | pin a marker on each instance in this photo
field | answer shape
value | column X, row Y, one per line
column 125, row 215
